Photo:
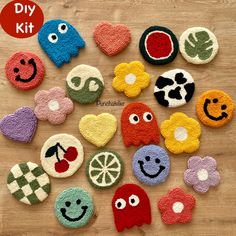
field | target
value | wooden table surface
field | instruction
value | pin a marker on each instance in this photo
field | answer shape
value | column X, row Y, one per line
column 215, row 212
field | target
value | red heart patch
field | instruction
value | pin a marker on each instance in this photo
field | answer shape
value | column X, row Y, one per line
column 111, row 39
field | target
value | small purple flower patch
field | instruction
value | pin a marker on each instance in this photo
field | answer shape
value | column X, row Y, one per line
column 201, row 173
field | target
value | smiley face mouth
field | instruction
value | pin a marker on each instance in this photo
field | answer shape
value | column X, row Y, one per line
column 30, row 62
column 63, row 212
column 222, row 116
column 161, row 168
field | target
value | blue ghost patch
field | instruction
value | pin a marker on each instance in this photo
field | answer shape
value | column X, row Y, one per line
column 60, row 40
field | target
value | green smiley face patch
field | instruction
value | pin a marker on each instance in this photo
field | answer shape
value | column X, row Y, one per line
column 74, row 208
column 84, row 84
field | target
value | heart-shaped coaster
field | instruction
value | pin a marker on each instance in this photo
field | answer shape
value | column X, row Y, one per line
column 111, row 39
column 19, row 126
column 98, row 130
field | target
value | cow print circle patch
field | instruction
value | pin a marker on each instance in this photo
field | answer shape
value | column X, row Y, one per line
column 174, row 88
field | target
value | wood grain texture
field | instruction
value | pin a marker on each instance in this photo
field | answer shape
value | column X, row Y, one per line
column 215, row 211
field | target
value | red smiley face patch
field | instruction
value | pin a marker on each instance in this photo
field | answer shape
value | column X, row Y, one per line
column 24, row 70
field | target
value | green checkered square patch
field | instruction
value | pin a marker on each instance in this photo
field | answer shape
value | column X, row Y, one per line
column 28, row 183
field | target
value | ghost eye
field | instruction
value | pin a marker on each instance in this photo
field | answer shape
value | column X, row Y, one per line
column 147, row 116
column 52, row 38
column 120, row 203
column 133, row 200
column 133, row 119
column 62, row 28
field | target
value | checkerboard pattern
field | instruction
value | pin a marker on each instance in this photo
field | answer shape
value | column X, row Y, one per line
column 28, row 183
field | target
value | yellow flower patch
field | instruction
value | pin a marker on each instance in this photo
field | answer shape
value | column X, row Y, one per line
column 181, row 133
column 130, row 78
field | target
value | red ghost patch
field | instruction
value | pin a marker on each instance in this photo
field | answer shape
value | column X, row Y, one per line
column 139, row 125
column 131, row 206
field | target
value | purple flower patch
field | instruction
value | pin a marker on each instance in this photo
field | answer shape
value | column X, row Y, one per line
column 201, row 173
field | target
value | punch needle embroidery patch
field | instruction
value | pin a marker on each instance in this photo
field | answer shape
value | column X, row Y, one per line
column 60, row 41
column 111, row 39
column 84, row 84
column 24, row 70
column 151, row 164
column 174, row 88
column 201, row 173
column 198, row 45
column 176, row 207
column 99, row 129
column 139, row 125
column 181, row 133
column 104, row 169
column 19, row 126
column 28, row 183
column 215, row 108
column 131, row 207
column 158, row 45
column 52, row 105
column 130, row 78
column 62, row 155
column 74, row 208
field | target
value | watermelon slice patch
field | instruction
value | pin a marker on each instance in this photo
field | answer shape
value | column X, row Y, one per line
column 158, row 45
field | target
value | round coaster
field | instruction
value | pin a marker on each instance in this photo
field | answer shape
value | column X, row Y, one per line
column 84, row 84
column 104, row 169
column 198, row 45
column 24, row 70
column 28, row 183
column 158, row 45
column 174, row 88
column 74, row 208
column 151, row 165
column 62, row 155
column 215, row 108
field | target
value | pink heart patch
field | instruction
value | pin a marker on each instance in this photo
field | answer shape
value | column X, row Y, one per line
column 111, row 39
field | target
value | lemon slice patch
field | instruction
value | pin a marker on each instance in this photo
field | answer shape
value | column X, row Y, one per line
column 104, row 169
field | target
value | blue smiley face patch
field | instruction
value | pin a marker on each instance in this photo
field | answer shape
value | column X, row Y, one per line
column 60, row 40
column 74, row 208
column 151, row 164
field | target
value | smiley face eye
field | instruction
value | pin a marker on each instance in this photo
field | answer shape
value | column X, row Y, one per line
column 133, row 200
column 133, row 119
column 67, row 203
column 120, row 203
column 62, row 28
column 215, row 100
column 223, row 107
column 52, row 38
column 147, row 158
column 16, row 70
column 147, row 116
column 22, row 62
column 78, row 201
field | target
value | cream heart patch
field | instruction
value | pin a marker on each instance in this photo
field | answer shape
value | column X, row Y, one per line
column 93, row 86
column 111, row 39
column 98, row 130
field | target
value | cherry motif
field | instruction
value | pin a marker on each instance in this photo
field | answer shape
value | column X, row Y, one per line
column 62, row 165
